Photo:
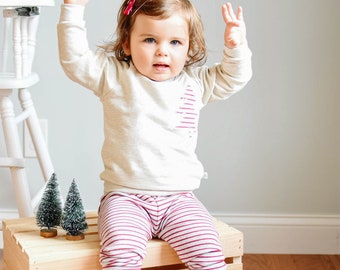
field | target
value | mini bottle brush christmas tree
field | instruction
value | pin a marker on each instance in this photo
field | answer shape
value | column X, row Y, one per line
column 73, row 217
column 49, row 212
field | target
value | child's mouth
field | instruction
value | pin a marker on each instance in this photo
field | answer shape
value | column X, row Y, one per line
column 161, row 66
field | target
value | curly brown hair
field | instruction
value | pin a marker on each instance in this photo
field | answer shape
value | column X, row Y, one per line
column 162, row 9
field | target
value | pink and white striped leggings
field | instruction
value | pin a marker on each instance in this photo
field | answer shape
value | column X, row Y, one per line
column 127, row 221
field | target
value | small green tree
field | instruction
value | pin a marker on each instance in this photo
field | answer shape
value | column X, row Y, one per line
column 49, row 212
column 74, row 217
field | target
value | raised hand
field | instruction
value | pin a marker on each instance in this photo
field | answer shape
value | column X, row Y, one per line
column 235, row 30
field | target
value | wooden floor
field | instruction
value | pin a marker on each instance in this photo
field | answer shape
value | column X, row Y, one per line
column 279, row 262
column 291, row 262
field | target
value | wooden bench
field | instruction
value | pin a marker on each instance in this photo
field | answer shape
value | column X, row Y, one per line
column 25, row 249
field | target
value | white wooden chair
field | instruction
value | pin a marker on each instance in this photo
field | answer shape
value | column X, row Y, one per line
column 19, row 27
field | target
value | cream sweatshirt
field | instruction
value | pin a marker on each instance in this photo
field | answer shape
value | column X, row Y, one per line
column 150, row 128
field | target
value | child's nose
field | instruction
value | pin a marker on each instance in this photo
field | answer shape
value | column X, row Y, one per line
column 162, row 50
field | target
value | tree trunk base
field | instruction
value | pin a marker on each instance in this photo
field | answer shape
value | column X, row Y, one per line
column 80, row 236
column 48, row 233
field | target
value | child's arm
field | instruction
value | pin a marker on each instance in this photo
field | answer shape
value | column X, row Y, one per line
column 235, row 30
column 79, row 62
column 233, row 73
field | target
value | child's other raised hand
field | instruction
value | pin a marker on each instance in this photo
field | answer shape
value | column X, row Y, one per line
column 235, row 31
column 76, row 2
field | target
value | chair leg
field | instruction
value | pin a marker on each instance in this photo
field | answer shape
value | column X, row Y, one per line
column 11, row 136
column 36, row 134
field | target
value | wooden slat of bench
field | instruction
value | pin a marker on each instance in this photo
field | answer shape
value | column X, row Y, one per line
column 57, row 253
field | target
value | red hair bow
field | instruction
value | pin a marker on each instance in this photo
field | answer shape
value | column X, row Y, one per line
column 128, row 9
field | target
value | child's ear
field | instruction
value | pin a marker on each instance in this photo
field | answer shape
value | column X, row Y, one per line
column 126, row 48
column 187, row 60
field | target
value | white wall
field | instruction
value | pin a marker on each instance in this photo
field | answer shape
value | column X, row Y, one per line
column 272, row 149
column 277, row 150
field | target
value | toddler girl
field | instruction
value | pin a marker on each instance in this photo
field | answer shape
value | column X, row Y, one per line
column 152, row 84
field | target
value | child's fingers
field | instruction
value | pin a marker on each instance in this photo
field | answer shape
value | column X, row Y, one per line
column 229, row 15
column 230, row 11
column 240, row 14
column 225, row 14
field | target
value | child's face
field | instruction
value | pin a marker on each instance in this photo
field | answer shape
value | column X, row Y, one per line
column 159, row 47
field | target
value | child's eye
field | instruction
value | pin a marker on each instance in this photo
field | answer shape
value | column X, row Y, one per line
column 149, row 40
column 175, row 42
